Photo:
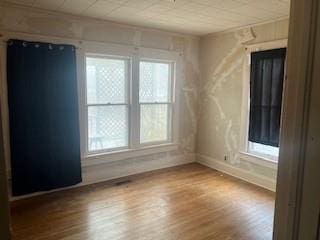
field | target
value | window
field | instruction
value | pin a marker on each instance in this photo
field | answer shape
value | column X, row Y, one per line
column 107, row 102
column 266, row 85
column 263, row 150
column 155, row 101
column 129, row 102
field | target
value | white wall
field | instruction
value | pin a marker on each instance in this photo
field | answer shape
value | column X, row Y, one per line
column 222, row 58
column 29, row 23
column 214, row 117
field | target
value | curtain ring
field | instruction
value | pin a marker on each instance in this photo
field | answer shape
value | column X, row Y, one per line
column 36, row 45
column 61, row 47
column 24, row 44
column 10, row 43
column 50, row 47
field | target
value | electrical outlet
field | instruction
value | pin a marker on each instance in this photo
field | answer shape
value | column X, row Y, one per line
column 225, row 158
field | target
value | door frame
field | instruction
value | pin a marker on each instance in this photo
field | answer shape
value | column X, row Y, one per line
column 298, row 116
column 5, row 229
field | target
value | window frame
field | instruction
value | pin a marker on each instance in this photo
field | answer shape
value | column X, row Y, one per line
column 168, row 103
column 127, row 102
column 262, row 154
column 135, row 54
column 244, row 150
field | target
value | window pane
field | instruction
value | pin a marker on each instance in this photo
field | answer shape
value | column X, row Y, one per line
column 154, row 82
column 264, row 150
column 108, row 127
column 106, row 80
column 154, row 124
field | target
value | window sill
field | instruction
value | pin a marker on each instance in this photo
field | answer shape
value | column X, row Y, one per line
column 262, row 161
column 102, row 158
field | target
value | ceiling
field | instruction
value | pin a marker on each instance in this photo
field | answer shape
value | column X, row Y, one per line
column 197, row 17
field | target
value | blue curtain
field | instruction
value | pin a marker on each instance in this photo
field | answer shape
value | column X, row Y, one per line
column 43, row 112
column 266, row 85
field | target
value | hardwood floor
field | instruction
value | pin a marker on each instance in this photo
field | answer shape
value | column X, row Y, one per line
column 186, row 202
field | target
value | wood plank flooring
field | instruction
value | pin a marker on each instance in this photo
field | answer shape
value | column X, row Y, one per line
column 189, row 202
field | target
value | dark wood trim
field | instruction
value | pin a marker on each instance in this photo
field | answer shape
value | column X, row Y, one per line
column 4, row 202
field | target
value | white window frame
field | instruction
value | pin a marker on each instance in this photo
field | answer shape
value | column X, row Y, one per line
column 168, row 103
column 127, row 103
column 244, row 151
column 135, row 55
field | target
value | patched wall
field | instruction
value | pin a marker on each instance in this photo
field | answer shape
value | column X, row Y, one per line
column 210, row 107
column 221, row 64
column 49, row 24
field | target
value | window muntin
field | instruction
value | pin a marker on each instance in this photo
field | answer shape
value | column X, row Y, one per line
column 107, row 102
column 155, row 99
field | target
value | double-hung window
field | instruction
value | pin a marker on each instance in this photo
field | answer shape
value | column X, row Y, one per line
column 264, row 74
column 266, row 86
column 129, row 102
column 155, row 85
column 107, row 102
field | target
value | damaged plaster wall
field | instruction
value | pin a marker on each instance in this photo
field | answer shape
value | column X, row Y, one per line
column 221, row 59
column 40, row 22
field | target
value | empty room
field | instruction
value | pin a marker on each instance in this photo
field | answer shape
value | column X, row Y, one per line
column 159, row 119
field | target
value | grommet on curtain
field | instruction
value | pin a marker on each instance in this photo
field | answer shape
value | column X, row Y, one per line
column 36, row 45
column 24, row 44
column 10, row 43
column 61, row 47
column 50, row 46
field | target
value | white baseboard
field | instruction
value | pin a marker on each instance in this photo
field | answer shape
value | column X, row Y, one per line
column 104, row 172
column 242, row 174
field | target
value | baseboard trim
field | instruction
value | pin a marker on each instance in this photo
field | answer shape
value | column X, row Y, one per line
column 92, row 175
column 247, row 176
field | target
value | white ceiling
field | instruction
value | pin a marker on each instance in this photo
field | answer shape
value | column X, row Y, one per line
column 187, row 16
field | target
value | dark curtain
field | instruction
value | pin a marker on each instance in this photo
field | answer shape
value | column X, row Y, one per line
column 266, row 85
column 44, row 121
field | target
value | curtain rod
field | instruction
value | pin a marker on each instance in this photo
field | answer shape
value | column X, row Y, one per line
column 6, row 33
column 3, row 33
column 5, row 41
